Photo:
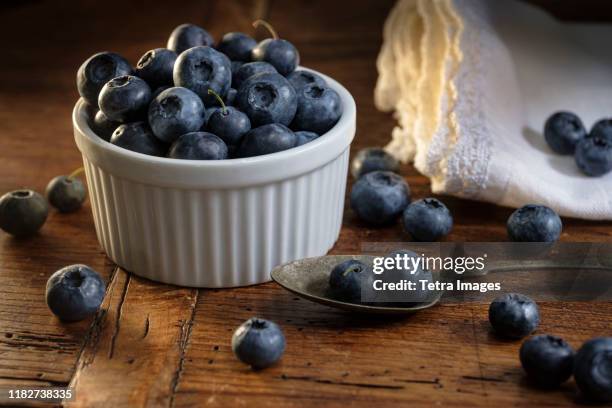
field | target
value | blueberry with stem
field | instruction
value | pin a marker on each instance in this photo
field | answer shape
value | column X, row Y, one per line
column 278, row 52
column 66, row 193
column 228, row 122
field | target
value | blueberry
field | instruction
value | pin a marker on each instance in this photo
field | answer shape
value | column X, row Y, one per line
column 103, row 126
column 593, row 369
column 304, row 137
column 66, row 193
column 198, row 146
column 547, row 360
column 258, row 343
column 201, row 69
column 22, row 212
column 562, row 131
column 207, row 113
column 156, row 67
column 237, row 46
column 159, row 90
column 318, row 109
column 246, row 71
column 427, row 220
column 96, row 71
column 267, row 98
column 534, row 223
column 174, row 112
column 267, row 139
column 602, row 128
column 125, row 98
column 300, row 79
column 230, row 98
column 345, row 280
column 372, row 159
column 75, row 292
column 379, row 197
column 138, row 137
column 280, row 53
column 187, row 36
column 514, row 315
column 229, row 124
column 594, row 155
column 235, row 65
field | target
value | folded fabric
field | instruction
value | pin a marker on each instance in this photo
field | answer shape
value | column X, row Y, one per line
column 471, row 83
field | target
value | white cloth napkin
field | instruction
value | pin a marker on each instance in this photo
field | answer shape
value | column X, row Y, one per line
column 471, row 83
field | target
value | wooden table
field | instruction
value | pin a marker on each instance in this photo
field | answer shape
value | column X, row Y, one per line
column 159, row 345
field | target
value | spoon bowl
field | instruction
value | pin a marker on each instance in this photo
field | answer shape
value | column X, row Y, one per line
column 308, row 278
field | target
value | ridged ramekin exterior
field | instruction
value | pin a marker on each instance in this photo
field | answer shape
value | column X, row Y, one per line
column 214, row 236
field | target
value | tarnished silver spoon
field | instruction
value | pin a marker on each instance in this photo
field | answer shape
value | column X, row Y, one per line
column 308, row 278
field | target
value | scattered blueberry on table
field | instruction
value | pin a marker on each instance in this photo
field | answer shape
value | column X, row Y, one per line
column 548, row 360
column 514, row 315
column 22, row 212
column 258, row 342
column 75, row 292
column 66, row 193
column 593, row 369
column 427, row 220
column 379, row 197
column 562, row 131
column 534, row 223
column 371, row 159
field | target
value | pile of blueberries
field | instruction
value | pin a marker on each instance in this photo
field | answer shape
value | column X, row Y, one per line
column 566, row 135
column 380, row 196
column 548, row 360
column 199, row 100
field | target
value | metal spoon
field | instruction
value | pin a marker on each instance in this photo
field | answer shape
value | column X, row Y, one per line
column 308, row 278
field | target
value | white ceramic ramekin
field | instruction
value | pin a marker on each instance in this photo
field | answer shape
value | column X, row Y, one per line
column 217, row 223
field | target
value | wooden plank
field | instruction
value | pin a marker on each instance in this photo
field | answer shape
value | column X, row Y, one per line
column 446, row 355
column 139, row 335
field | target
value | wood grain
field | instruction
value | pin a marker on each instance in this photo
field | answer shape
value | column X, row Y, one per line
column 157, row 345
